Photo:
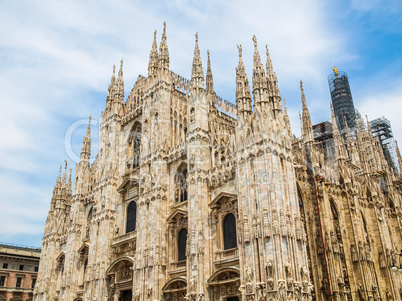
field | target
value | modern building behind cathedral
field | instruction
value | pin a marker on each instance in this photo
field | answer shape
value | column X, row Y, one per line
column 193, row 198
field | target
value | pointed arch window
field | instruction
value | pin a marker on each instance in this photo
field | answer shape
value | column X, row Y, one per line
column 131, row 217
column 137, row 147
column 229, row 232
column 181, row 245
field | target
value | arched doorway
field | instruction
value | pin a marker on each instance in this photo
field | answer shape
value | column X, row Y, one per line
column 224, row 285
column 120, row 279
column 175, row 289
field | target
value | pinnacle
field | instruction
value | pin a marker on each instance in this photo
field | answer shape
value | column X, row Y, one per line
column 270, row 69
column 243, row 95
column 304, row 103
column 334, row 124
column 153, row 58
column 210, row 80
column 284, row 107
column 121, row 69
column 65, row 173
column 88, row 133
column 197, row 73
column 258, row 70
column 163, row 51
column 59, row 176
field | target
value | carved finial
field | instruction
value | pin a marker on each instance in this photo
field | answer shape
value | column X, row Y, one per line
column 155, row 34
column 121, row 63
column 301, row 84
column 255, row 40
column 266, row 47
column 196, row 37
column 240, row 50
column 164, row 25
column 65, row 161
column 208, row 53
column 114, row 69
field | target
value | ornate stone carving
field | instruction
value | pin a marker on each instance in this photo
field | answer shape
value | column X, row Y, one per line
column 246, row 229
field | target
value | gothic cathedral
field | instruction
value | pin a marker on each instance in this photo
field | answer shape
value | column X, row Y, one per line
column 193, row 198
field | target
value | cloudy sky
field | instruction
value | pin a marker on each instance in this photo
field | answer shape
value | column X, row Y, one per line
column 56, row 60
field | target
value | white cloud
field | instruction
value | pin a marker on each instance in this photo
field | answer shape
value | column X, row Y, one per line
column 57, row 56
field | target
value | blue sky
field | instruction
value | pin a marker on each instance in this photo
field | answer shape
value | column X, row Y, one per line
column 56, row 60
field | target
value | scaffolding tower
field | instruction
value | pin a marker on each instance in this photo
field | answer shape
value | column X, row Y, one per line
column 342, row 100
column 381, row 127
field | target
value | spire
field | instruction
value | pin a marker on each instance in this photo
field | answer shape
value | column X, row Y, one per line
column 153, row 59
column 58, row 181
column 272, row 86
column 164, row 52
column 243, row 96
column 86, row 144
column 270, row 68
column 338, row 143
column 210, row 80
column 307, row 130
column 197, row 73
column 286, row 118
column 334, row 124
column 347, row 128
column 69, row 179
column 63, row 181
column 369, row 128
column 119, row 90
column 362, row 127
column 110, row 93
column 285, row 108
column 258, row 69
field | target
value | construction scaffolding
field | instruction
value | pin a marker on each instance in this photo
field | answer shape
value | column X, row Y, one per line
column 342, row 100
column 381, row 127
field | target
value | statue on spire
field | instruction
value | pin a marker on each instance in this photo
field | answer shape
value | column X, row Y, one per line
column 240, row 50
column 255, row 41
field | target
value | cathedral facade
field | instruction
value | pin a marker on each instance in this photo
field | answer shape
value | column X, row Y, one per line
column 193, row 198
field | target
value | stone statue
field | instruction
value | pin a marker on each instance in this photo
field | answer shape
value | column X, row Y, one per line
column 282, row 290
column 192, row 284
column 240, row 50
column 254, row 40
column 249, row 274
column 137, row 295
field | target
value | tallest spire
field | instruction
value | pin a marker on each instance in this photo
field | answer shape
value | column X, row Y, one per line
column 197, row 73
column 164, row 51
